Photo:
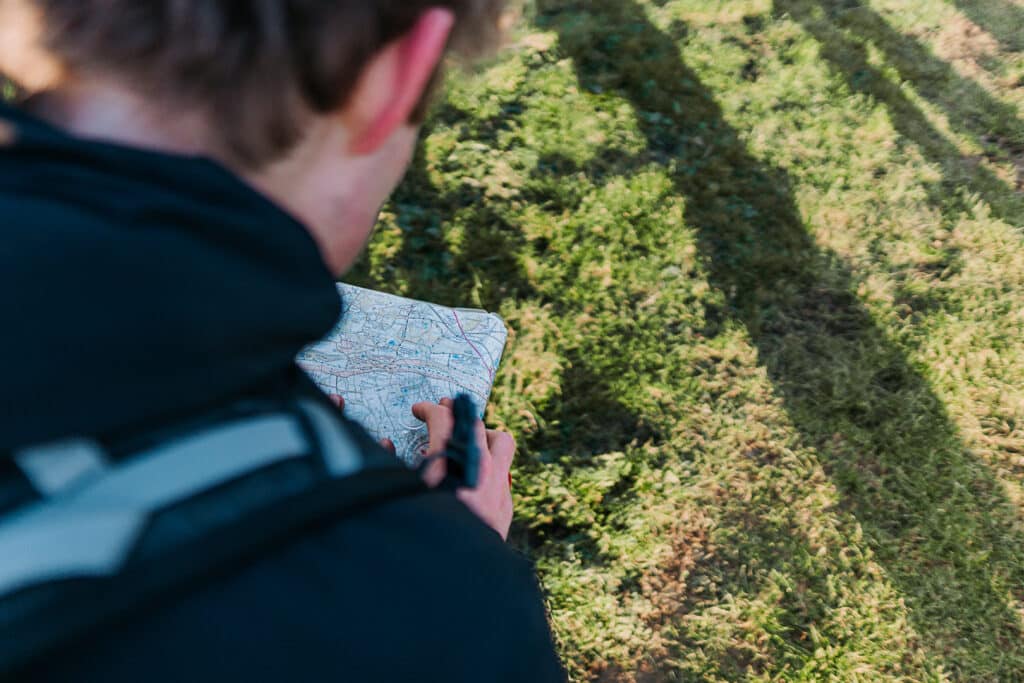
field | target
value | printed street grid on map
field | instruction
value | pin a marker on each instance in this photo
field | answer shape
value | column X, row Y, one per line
column 389, row 353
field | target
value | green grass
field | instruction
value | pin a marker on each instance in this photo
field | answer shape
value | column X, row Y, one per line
column 763, row 264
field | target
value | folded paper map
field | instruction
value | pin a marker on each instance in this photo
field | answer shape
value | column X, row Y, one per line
column 389, row 353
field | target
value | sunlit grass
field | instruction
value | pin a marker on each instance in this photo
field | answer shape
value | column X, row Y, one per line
column 762, row 262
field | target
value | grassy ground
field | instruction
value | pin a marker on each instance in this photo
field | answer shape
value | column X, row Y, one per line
column 763, row 262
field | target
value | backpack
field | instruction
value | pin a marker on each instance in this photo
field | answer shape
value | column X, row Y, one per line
column 109, row 534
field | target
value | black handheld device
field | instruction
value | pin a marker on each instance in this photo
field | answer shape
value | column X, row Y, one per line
column 462, row 452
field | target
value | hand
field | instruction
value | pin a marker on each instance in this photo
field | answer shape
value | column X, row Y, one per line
column 491, row 500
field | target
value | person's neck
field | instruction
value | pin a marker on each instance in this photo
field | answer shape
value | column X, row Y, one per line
column 111, row 114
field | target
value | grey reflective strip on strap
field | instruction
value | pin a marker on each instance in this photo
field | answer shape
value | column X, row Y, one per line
column 340, row 453
column 90, row 529
column 56, row 467
column 49, row 545
column 184, row 468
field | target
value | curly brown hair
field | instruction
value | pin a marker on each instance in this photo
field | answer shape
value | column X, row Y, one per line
column 258, row 68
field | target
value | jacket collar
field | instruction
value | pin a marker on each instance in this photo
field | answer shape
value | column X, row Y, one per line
column 137, row 286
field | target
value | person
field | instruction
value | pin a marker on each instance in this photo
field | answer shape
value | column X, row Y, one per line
column 181, row 183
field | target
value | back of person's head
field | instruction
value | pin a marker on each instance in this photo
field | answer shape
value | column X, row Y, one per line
column 258, row 70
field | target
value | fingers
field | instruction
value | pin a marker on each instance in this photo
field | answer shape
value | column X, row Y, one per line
column 439, row 421
column 389, row 446
column 435, row 472
column 337, row 400
column 502, row 447
column 499, row 450
column 491, row 500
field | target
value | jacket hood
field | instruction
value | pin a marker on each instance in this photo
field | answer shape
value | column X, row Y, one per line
column 137, row 285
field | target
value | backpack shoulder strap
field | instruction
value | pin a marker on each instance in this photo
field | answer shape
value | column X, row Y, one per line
column 105, row 540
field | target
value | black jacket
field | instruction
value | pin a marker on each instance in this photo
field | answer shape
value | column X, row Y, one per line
column 138, row 290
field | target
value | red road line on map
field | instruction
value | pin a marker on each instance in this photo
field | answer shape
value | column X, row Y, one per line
column 472, row 345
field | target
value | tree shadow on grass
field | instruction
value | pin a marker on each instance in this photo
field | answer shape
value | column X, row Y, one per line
column 972, row 109
column 826, row 19
column 587, row 421
column 1002, row 18
column 935, row 517
column 484, row 271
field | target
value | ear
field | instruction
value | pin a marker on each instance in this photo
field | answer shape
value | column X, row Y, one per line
column 395, row 80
